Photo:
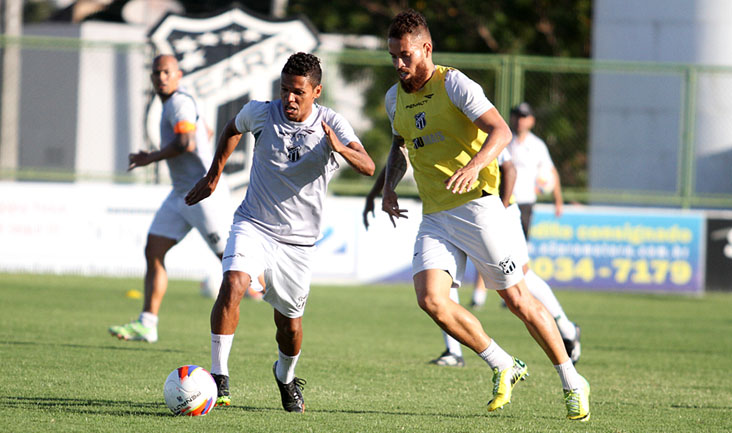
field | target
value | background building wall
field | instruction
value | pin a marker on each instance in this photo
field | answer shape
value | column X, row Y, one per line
column 635, row 124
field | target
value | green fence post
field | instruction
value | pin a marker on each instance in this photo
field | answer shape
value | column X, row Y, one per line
column 687, row 160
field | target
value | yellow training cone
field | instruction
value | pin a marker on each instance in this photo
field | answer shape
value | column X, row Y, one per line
column 134, row 294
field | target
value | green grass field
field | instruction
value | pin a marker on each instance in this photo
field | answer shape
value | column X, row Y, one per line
column 656, row 363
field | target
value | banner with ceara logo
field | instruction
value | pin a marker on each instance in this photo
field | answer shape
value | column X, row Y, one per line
column 619, row 249
column 227, row 60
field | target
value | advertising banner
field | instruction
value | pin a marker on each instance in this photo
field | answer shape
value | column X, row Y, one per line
column 619, row 249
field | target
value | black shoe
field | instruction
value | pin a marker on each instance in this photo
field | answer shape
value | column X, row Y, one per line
column 291, row 394
column 447, row 359
column 573, row 347
column 222, row 385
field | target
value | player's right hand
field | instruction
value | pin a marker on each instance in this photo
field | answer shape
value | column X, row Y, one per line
column 204, row 188
column 390, row 205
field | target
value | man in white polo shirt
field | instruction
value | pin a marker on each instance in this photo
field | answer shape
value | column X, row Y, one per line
column 531, row 158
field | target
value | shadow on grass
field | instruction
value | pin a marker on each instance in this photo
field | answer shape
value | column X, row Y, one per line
column 127, row 408
column 85, row 406
column 131, row 347
column 700, row 406
column 278, row 409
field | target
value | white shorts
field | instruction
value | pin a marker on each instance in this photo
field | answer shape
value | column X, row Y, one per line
column 286, row 267
column 517, row 234
column 210, row 217
column 477, row 229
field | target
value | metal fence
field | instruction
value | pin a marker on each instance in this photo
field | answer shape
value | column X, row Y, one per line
column 676, row 163
column 680, row 165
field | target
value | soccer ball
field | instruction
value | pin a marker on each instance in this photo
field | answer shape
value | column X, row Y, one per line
column 190, row 390
column 545, row 181
column 211, row 284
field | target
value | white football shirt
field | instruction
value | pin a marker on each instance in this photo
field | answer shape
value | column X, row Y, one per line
column 188, row 168
column 291, row 168
column 530, row 158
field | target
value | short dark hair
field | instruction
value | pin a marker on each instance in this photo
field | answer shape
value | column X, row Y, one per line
column 304, row 65
column 408, row 21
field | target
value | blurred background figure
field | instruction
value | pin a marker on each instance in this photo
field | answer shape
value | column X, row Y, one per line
column 185, row 146
column 534, row 166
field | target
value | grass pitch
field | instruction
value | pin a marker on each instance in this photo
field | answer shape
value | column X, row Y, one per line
column 655, row 363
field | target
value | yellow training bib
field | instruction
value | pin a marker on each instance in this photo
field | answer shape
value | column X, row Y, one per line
column 440, row 139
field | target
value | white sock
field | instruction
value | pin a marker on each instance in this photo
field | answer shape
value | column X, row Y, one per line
column 541, row 291
column 566, row 327
column 148, row 320
column 286, row 367
column 568, row 375
column 220, row 349
column 452, row 345
column 544, row 294
column 479, row 297
column 496, row 357
column 454, row 295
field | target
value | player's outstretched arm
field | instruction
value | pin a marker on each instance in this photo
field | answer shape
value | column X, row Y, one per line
column 396, row 167
column 228, row 140
column 368, row 207
column 353, row 152
column 182, row 143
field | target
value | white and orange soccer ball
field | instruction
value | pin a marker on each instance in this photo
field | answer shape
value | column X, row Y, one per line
column 546, row 181
column 190, row 390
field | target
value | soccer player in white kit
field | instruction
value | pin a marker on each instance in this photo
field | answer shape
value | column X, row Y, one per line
column 453, row 135
column 277, row 224
column 185, row 147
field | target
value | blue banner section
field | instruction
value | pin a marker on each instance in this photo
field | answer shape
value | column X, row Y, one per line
column 619, row 250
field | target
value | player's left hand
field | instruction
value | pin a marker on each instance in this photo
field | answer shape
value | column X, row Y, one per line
column 558, row 208
column 332, row 138
column 462, row 180
column 204, row 188
column 368, row 208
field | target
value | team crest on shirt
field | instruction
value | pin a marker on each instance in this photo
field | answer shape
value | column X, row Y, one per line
column 420, row 120
column 293, row 153
column 294, row 141
column 507, row 265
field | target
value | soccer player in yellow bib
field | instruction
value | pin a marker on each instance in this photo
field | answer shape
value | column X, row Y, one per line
column 453, row 135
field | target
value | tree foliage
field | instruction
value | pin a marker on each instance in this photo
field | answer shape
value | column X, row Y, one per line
column 536, row 27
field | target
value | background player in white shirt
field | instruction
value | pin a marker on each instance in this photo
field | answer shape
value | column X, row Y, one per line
column 533, row 162
column 185, row 147
column 277, row 224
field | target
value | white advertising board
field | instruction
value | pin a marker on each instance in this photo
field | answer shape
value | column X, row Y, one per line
column 101, row 229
